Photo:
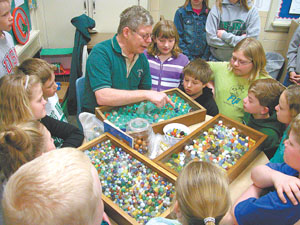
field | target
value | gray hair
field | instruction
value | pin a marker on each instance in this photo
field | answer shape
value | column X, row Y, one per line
column 133, row 17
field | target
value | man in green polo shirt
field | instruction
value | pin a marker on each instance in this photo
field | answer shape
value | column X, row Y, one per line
column 117, row 71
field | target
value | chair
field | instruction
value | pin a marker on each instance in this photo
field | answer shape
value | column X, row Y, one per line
column 79, row 97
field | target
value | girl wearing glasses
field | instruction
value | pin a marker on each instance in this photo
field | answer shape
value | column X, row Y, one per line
column 232, row 79
column 165, row 58
column 228, row 22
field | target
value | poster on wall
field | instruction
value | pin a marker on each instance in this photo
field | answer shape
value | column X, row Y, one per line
column 295, row 7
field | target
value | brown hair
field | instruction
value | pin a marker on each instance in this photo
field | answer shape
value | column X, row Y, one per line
column 199, row 69
column 38, row 67
column 243, row 3
column 267, row 91
column 201, row 192
column 20, row 144
column 254, row 51
column 15, row 98
column 164, row 29
column 292, row 94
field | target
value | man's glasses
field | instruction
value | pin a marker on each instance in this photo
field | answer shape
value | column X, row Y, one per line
column 144, row 36
column 240, row 62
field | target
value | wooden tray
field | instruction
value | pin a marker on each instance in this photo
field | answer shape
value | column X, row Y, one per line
column 241, row 164
column 111, row 208
column 197, row 114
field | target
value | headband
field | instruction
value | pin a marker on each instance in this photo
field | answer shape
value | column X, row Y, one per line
column 26, row 82
column 209, row 219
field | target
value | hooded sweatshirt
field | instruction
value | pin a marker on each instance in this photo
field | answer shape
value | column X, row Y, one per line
column 271, row 127
column 236, row 22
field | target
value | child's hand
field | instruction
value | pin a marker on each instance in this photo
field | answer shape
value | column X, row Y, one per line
column 289, row 185
column 220, row 33
column 105, row 218
column 294, row 77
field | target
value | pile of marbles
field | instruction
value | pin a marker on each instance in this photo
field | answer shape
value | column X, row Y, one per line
column 122, row 115
column 134, row 187
column 176, row 133
column 219, row 144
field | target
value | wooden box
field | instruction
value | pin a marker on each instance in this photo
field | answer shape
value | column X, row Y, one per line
column 196, row 115
column 241, row 163
column 111, row 208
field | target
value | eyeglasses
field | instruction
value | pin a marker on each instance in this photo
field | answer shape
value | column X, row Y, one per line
column 144, row 36
column 240, row 62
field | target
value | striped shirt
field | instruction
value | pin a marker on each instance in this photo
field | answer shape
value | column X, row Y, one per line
column 168, row 74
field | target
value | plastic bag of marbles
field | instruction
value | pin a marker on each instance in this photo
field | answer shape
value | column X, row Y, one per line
column 157, row 145
column 91, row 125
column 141, row 130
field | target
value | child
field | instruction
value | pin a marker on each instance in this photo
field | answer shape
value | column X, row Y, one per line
column 190, row 20
column 45, row 72
column 259, row 106
column 26, row 102
column 274, row 207
column 232, row 80
column 22, row 143
column 228, row 23
column 165, row 58
column 293, row 55
column 60, row 187
column 287, row 109
column 8, row 54
column 202, row 196
column 196, row 76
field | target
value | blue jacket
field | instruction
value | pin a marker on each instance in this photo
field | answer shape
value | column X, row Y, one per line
column 191, row 30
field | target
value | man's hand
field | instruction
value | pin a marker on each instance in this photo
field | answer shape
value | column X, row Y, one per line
column 159, row 98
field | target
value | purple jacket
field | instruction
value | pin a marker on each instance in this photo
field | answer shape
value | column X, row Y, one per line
column 168, row 74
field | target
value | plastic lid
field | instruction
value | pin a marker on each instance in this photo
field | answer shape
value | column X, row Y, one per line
column 138, row 124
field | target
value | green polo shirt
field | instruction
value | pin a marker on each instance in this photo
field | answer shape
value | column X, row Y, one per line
column 106, row 68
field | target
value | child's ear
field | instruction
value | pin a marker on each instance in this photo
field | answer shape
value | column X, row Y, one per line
column 177, row 210
column 265, row 110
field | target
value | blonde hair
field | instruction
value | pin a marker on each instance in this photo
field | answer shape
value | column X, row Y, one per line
column 164, row 29
column 15, row 98
column 202, row 192
column 38, row 67
column 292, row 94
column 295, row 126
column 254, row 51
column 267, row 91
column 205, row 2
column 199, row 69
column 243, row 3
column 55, row 188
column 20, row 144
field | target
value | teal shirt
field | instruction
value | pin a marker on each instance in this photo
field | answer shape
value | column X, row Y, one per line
column 106, row 68
column 278, row 156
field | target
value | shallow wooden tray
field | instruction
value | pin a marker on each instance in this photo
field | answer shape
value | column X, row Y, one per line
column 112, row 209
column 236, row 169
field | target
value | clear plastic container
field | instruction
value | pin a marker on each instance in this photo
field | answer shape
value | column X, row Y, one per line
column 141, row 130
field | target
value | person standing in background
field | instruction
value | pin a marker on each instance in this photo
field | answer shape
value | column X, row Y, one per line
column 190, row 20
column 229, row 22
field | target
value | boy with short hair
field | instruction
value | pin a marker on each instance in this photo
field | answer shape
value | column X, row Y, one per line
column 8, row 54
column 197, row 74
column 60, row 187
column 259, row 106
column 280, row 206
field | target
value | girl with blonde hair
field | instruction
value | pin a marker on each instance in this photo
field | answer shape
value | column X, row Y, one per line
column 190, row 20
column 21, row 143
column 202, row 196
column 232, row 79
column 229, row 22
column 21, row 99
column 164, row 56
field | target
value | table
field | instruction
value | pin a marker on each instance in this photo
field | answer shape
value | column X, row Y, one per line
column 62, row 93
column 98, row 37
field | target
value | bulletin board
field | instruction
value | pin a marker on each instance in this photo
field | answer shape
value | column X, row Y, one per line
column 25, row 7
column 284, row 10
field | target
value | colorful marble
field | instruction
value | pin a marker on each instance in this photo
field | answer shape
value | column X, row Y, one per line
column 219, row 144
column 137, row 189
column 122, row 115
